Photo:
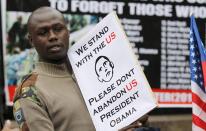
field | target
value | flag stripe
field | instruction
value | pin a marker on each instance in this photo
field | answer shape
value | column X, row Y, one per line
column 197, row 100
column 196, row 128
column 197, row 90
column 198, row 112
column 199, row 122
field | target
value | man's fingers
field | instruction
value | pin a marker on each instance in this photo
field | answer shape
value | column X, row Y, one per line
column 7, row 124
column 131, row 127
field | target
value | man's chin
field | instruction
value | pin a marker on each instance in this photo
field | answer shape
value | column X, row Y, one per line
column 57, row 59
column 57, row 56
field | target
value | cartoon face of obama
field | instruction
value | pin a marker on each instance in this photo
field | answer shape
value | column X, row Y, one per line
column 104, row 69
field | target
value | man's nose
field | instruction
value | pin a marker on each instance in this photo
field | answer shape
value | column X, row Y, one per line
column 52, row 36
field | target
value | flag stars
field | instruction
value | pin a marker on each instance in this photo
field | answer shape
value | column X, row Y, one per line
column 200, row 75
column 195, row 76
column 194, row 61
column 193, row 54
column 198, row 61
column 191, row 32
column 201, row 83
column 191, row 40
column 194, row 69
column 192, row 47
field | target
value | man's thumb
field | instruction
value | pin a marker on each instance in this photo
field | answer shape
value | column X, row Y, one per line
column 7, row 124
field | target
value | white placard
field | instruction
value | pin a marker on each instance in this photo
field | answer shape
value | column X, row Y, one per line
column 111, row 80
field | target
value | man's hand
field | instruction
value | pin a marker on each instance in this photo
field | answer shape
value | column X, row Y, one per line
column 138, row 123
column 8, row 127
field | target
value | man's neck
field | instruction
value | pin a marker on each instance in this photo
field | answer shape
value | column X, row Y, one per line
column 59, row 62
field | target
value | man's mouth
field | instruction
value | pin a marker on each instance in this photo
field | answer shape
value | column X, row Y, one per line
column 54, row 48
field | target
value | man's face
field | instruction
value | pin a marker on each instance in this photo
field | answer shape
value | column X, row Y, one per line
column 104, row 69
column 49, row 35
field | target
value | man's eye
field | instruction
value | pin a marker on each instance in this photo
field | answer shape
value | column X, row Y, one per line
column 42, row 32
column 100, row 69
column 58, row 28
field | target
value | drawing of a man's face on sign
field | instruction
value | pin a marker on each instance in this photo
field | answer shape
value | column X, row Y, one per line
column 104, row 69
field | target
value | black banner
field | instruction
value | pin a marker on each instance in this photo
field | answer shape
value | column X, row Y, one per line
column 157, row 29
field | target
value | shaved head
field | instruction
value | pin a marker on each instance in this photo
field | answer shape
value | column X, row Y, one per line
column 42, row 11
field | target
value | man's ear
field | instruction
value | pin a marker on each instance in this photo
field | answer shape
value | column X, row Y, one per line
column 30, row 40
column 68, row 31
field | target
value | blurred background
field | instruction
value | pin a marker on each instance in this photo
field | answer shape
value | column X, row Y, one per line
column 158, row 31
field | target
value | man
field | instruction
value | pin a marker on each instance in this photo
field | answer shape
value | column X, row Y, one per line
column 104, row 69
column 49, row 99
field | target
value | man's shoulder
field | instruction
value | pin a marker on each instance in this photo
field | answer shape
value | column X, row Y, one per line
column 25, row 92
column 27, row 87
column 29, row 79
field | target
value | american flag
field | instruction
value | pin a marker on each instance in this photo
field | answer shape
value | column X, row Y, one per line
column 198, row 78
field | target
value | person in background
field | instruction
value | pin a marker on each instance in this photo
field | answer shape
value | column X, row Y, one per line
column 14, row 34
column 49, row 99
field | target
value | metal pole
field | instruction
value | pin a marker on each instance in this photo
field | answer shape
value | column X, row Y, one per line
column 1, row 72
